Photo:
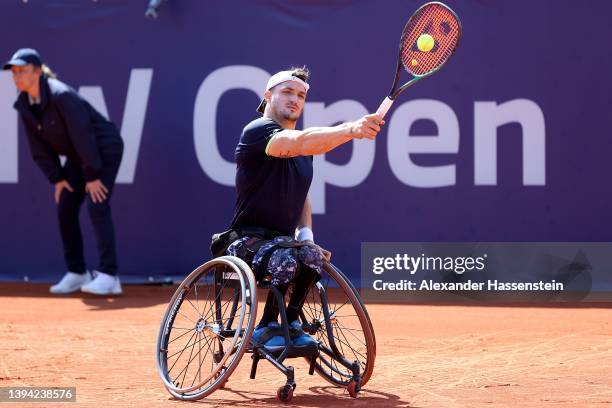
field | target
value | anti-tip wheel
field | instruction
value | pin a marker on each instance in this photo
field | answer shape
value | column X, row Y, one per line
column 222, row 385
column 353, row 388
column 285, row 393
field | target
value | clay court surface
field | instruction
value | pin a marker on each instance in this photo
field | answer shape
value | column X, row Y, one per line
column 428, row 356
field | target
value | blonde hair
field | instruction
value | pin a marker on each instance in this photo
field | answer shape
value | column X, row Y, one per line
column 48, row 72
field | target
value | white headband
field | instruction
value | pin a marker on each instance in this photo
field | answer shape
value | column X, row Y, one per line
column 280, row 77
column 284, row 76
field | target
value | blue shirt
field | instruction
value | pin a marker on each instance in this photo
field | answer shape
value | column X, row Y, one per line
column 271, row 190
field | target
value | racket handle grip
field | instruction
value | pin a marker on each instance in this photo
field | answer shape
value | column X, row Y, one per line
column 384, row 107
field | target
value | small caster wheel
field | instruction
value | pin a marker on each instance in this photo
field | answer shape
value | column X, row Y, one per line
column 285, row 393
column 353, row 388
column 219, row 374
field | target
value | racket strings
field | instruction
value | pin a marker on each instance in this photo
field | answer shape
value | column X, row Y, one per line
column 442, row 25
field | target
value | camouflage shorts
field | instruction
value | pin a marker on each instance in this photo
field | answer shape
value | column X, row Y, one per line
column 283, row 263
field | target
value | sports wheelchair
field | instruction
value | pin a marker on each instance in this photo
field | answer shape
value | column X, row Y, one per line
column 208, row 324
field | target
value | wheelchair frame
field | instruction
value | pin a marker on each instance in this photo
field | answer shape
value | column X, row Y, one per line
column 327, row 357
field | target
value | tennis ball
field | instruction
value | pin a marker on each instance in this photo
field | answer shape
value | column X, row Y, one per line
column 425, row 42
column 414, row 63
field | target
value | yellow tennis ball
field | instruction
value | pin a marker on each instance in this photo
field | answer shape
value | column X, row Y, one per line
column 425, row 42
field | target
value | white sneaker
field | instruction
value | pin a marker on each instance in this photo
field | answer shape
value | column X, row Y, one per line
column 103, row 284
column 71, row 282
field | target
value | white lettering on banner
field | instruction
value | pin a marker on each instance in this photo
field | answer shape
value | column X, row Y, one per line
column 95, row 96
column 133, row 117
column 488, row 116
column 205, row 116
column 346, row 175
column 8, row 130
column 401, row 143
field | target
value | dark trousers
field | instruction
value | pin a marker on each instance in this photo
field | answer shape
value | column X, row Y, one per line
column 302, row 282
column 99, row 213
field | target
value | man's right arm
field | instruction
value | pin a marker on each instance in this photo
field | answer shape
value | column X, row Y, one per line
column 319, row 140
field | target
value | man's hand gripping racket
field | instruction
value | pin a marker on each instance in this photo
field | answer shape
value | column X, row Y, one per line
column 429, row 39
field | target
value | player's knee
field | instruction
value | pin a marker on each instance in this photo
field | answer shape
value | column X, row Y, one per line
column 311, row 257
column 282, row 266
column 283, row 258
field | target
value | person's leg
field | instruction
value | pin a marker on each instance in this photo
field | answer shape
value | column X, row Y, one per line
column 238, row 249
column 68, row 215
column 311, row 264
column 100, row 213
column 301, row 285
column 281, row 268
column 271, row 310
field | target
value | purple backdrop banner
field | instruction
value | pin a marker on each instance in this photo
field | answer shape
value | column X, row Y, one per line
column 511, row 141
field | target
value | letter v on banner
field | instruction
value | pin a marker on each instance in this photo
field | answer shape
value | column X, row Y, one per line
column 133, row 117
column 8, row 130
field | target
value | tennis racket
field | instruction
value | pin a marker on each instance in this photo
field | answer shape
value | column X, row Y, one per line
column 429, row 39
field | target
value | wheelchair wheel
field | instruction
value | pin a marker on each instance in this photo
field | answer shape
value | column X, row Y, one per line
column 352, row 329
column 206, row 328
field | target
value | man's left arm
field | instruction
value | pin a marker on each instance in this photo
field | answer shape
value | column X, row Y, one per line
column 305, row 221
column 304, row 230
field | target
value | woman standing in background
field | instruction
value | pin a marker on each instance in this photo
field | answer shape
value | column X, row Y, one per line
column 58, row 121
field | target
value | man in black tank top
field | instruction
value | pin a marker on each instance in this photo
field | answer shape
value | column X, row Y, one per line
column 274, row 172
